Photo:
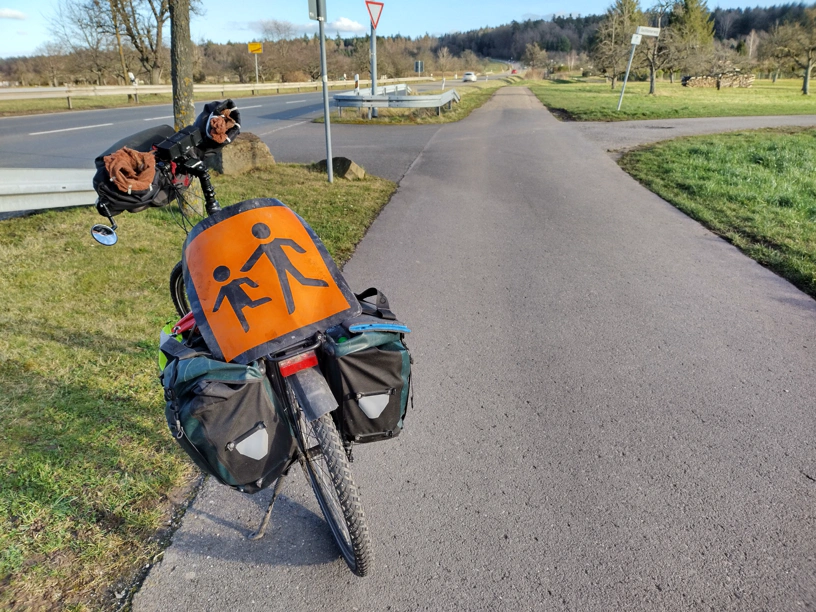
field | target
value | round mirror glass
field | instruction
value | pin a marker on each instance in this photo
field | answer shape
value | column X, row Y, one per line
column 104, row 235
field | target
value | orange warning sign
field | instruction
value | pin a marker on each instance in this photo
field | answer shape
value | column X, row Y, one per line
column 258, row 273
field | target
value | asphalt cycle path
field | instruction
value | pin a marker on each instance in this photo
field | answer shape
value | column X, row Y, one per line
column 612, row 411
column 620, row 135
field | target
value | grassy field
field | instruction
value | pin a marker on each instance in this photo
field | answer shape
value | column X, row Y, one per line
column 581, row 101
column 473, row 95
column 755, row 189
column 89, row 476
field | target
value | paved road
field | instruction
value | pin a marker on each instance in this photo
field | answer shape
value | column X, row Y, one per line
column 73, row 140
column 613, row 409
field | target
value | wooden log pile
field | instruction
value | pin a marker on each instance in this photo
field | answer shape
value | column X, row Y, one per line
column 729, row 79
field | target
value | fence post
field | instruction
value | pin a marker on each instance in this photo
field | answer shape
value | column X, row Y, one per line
column 70, row 107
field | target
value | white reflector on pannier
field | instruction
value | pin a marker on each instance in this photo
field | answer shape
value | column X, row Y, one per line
column 373, row 405
column 255, row 446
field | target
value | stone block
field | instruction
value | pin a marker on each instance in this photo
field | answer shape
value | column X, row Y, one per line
column 343, row 167
column 247, row 152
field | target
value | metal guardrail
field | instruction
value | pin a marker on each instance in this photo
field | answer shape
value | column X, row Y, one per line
column 390, row 101
column 381, row 91
column 28, row 189
column 68, row 92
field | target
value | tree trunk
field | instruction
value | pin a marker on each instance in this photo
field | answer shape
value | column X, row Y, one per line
column 651, row 80
column 155, row 74
column 181, row 63
column 806, row 81
column 614, row 80
column 671, row 77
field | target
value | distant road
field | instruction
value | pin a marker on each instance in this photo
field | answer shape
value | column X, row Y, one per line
column 283, row 122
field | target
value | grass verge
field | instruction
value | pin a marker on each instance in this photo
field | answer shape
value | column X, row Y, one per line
column 755, row 189
column 89, row 477
column 14, row 108
column 473, row 95
column 581, row 101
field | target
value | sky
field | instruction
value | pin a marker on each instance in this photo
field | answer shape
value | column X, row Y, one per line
column 24, row 24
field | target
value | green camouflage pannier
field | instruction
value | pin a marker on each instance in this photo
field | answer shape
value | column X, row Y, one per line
column 225, row 416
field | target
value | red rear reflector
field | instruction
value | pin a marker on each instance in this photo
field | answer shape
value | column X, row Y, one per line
column 293, row 365
column 186, row 323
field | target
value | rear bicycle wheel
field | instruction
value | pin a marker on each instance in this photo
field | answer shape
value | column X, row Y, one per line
column 177, row 291
column 327, row 467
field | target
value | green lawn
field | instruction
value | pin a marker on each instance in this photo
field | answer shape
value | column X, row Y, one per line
column 582, row 101
column 89, row 475
column 755, row 189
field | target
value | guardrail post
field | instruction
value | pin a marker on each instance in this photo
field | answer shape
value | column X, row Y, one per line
column 70, row 107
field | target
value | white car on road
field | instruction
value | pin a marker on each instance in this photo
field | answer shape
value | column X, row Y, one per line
column 469, row 76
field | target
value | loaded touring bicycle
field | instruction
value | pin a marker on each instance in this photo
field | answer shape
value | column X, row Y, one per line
column 275, row 361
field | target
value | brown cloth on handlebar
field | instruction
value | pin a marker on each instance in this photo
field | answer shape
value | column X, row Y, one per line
column 219, row 125
column 131, row 170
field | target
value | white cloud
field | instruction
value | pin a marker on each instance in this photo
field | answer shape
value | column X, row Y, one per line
column 11, row 14
column 346, row 25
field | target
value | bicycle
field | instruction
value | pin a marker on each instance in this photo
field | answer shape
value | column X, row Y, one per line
column 294, row 375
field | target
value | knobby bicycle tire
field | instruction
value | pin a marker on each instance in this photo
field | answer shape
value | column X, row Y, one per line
column 177, row 292
column 329, row 473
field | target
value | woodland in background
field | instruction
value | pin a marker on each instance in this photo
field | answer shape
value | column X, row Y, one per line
column 102, row 41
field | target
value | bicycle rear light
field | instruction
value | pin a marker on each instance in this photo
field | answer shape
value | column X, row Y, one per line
column 295, row 364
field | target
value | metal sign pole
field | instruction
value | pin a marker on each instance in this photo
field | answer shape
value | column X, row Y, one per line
column 329, row 164
column 635, row 42
column 373, row 111
column 256, row 68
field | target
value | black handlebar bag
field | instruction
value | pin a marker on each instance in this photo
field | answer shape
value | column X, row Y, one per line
column 162, row 189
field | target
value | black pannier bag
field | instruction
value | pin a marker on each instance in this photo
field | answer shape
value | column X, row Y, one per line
column 225, row 416
column 161, row 191
column 368, row 368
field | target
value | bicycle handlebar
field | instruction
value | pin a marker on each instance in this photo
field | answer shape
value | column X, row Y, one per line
column 182, row 149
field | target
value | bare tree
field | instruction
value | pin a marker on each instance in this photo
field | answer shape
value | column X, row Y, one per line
column 534, row 56
column 751, row 44
column 797, row 42
column 611, row 48
column 658, row 52
column 275, row 30
column 240, row 62
column 82, row 27
column 144, row 22
column 51, row 58
column 444, row 59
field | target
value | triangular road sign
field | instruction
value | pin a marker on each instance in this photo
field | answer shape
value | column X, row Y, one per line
column 374, row 11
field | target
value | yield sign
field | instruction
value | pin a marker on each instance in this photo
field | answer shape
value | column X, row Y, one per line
column 374, row 11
